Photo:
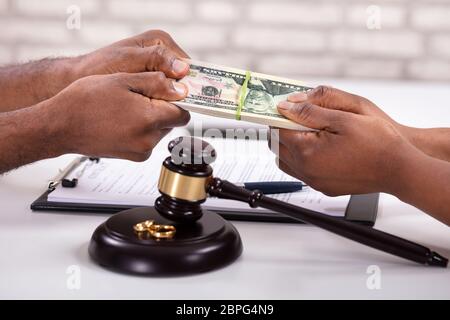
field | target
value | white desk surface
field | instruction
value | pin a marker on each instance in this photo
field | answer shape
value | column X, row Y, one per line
column 279, row 261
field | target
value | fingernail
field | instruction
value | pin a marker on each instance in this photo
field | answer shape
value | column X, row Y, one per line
column 179, row 66
column 284, row 105
column 298, row 97
column 179, row 88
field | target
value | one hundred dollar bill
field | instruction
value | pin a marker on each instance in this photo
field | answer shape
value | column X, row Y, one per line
column 217, row 91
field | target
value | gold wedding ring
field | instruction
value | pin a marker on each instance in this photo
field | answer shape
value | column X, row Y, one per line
column 162, row 231
column 143, row 226
column 158, row 231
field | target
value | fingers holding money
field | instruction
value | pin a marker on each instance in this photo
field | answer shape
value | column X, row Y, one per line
column 332, row 98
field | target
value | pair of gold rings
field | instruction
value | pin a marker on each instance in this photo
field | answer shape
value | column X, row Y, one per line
column 157, row 231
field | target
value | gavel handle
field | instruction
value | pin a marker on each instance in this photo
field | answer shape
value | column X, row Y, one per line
column 371, row 237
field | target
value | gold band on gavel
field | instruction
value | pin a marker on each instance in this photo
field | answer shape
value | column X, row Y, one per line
column 184, row 187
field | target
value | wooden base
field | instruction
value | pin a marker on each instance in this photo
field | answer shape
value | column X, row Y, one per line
column 207, row 244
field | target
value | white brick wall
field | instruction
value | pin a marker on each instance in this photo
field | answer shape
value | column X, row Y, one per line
column 101, row 33
column 170, row 10
column 293, row 65
column 21, row 30
column 304, row 14
column 235, row 58
column 5, row 54
column 440, row 45
column 401, row 44
column 197, row 37
column 429, row 69
column 25, row 53
column 217, row 11
column 3, row 6
column 279, row 40
column 432, row 17
column 372, row 68
column 296, row 38
column 53, row 7
column 392, row 16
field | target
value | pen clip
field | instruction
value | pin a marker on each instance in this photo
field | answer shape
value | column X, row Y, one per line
column 64, row 172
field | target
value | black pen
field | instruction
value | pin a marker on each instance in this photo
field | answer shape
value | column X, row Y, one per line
column 273, row 187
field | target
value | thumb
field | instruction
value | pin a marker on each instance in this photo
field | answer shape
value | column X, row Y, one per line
column 313, row 116
column 154, row 85
column 331, row 98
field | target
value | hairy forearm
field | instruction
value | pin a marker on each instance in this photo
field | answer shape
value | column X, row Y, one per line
column 435, row 142
column 28, row 135
column 423, row 182
column 28, row 84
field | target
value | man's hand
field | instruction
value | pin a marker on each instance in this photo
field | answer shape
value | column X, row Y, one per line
column 28, row 84
column 122, row 115
column 153, row 50
column 433, row 142
column 119, row 115
column 351, row 153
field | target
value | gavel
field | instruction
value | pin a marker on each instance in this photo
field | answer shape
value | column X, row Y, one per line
column 203, row 240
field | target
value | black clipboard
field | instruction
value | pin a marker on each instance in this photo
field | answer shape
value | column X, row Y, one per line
column 361, row 208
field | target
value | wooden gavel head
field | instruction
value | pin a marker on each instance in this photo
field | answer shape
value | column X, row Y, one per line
column 183, row 179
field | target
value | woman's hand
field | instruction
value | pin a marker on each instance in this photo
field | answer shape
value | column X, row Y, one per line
column 433, row 142
column 359, row 149
column 352, row 153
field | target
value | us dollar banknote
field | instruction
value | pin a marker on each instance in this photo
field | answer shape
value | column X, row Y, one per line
column 218, row 91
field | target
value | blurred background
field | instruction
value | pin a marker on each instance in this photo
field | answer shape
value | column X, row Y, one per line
column 397, row 39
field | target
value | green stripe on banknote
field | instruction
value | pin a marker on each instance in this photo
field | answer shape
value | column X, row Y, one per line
column 242, row 94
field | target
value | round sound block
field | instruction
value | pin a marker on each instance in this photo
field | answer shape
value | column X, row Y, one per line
column 209, row 243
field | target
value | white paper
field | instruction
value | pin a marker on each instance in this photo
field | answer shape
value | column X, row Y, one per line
column 121, row 182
